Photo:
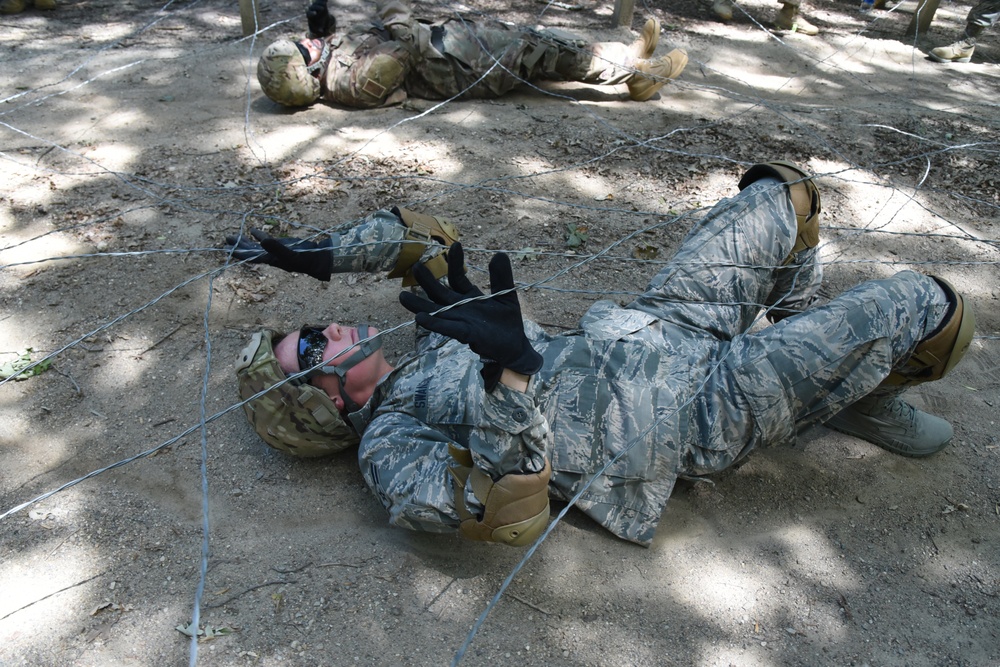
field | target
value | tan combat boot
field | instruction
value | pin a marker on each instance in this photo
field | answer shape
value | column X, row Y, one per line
column 959, row 52
column 789, row 19
column 45, row 4
column 646, row 44
column 651, row 75
column 723, row 9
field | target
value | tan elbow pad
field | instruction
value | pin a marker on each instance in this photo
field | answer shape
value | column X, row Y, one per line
column 422, row 231
column 515, row 507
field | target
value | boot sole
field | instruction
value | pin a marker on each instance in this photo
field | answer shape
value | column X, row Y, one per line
column 950, row 60
column 795, row 29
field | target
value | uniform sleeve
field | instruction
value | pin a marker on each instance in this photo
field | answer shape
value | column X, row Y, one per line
column 393, row 13
column 405, row 464
column 514, row 435
column 398, row 20
column 369, row 246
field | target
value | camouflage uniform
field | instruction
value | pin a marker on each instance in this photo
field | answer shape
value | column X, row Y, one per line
column 673, row 378
column 984, row 15
column 370, row 246
column 370, row 67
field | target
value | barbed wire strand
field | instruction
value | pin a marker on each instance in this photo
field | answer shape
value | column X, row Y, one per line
column 148, row 188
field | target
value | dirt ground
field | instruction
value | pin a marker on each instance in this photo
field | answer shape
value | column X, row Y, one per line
column 134, row 137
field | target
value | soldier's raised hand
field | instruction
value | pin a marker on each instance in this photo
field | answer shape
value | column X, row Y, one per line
column 492, row 327
column 321, row 22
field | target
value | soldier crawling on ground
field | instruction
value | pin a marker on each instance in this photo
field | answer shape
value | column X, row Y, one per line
column 398, row 55
column 491, row 416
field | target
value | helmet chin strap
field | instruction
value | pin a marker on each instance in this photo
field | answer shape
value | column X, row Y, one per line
column 366, row 347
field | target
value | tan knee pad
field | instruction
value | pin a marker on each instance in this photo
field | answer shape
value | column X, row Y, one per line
column 804, row 194
column 422, row 231
column 515, row 507
column 938, row 353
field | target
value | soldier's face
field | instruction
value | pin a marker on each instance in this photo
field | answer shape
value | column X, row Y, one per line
column 361, row 380
column 314, row 47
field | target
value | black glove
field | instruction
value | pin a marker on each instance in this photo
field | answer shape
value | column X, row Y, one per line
column 491, row 327
column 293, row 255
column 321, row 22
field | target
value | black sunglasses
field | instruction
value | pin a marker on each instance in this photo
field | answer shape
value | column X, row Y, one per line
column 312, row 345
column 305, row 54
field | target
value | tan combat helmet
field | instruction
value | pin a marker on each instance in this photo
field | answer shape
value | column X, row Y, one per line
column 284, row 76
column 298, row 419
